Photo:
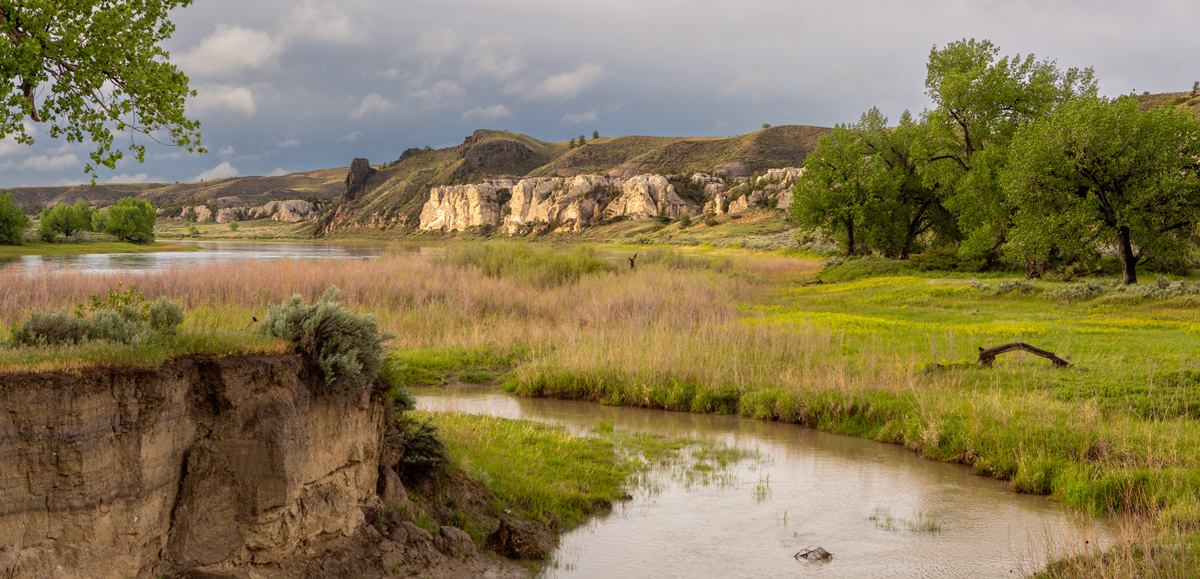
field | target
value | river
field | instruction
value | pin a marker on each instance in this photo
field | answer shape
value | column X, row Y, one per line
column 209, row 252
column 881, row 510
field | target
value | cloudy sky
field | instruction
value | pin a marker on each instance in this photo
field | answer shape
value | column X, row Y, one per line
column 286, row 85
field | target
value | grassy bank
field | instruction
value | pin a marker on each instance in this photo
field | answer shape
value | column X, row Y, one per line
column 737, row 332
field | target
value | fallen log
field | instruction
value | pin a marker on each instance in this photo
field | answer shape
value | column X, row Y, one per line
column 987, row 356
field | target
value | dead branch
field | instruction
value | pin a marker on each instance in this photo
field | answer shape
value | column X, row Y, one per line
column 987, row 356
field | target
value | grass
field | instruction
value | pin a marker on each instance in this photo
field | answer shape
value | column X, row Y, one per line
column 257, row 229
column 562, row 478
column 736, row 332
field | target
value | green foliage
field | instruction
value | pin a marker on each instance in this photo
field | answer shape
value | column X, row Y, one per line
column 93, row 70
column 65, row 219
column 865, row 183
column 121, row 316
column 1084, row 290
column 192, row 231
column 233, row 226
column 685, row 222
column 595, row 135
column 164, row 316
column 131, row 220
column 1099, row 173
column 13, row 221
column 99, row 220
column 346, row 348
column 424, row 456
column 979, row 104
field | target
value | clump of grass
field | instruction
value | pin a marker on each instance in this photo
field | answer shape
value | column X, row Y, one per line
column 1162, row 288
column 1018, row 287
column 924, row 522
column 539, row 268
column 562, row 480
column 1080, row 291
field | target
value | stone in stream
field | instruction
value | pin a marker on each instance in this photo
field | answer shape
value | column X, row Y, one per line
column 814, row 554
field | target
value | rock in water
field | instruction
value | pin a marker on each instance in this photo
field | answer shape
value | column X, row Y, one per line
column 814, row 554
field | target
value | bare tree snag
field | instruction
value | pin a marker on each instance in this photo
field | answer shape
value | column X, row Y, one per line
column 632, row 262
column 987, row 356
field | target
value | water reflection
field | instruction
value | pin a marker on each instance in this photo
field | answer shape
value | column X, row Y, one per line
column 209, row 252
column 824, row 490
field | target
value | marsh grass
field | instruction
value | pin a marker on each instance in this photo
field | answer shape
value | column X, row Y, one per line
column 734, row 333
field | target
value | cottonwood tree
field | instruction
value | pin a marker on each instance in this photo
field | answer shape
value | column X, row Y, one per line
column 131, row 220
column 93, row 69
column 866, row 181
column 13, row 221
column 1102, row 173
column 979, row 104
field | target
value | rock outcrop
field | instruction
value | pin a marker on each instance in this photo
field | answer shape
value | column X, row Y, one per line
column 574, row 202
column 119, row 473
column 288, row 211
column 356, row 179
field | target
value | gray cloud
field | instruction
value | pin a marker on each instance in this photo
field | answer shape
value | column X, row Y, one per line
column 369, row 78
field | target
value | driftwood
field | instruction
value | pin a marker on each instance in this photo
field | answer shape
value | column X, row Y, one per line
column 987, row 356
column 633, row 261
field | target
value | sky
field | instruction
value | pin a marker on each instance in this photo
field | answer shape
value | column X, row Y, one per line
column 285, row 85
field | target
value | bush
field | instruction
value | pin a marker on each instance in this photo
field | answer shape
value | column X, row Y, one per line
column 120, row 316
column 233, row 226
column 164, row 316
column 423, row 454
column 49, row 328
column 1019, row 287
column 711, row 222
column 684, row 222
column 1162, row 288
column 13, row 221
column 346, row 348
column 1084, row 290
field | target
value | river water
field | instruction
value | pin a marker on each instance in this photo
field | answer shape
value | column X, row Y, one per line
column 209, row 252
column 881, row 510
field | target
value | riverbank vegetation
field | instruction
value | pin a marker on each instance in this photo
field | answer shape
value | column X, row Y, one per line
column 751, row 334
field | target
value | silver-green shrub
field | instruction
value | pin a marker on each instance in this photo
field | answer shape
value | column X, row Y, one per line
column 164, row 316
column 346, row 347
column 121, row 316
column 49, row 328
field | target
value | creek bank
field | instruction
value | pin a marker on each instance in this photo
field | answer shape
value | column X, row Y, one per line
column 210, row 467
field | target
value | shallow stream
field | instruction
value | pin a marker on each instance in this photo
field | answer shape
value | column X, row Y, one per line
column 881, row 510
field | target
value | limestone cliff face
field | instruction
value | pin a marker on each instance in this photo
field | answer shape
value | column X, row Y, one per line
column 288, row 211
column 118, row 473
column 457, row 207
column 571, row 201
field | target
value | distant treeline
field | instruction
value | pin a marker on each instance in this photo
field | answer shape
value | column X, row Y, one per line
column 1018, row 164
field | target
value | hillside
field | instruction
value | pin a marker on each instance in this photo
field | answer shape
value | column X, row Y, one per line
column 320, row 185
column 1186, row 100
column 396, row 192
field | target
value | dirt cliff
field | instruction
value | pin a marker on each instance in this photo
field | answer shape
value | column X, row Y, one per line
column 140, row 472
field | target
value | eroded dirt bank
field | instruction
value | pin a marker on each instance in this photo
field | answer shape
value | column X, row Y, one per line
column 203, row 467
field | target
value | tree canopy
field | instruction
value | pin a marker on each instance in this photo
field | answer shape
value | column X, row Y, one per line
column 866, row 181
column 93, row 69
column 979, row 104
column 13, row 221
column 1102, row 173
column 130, row 220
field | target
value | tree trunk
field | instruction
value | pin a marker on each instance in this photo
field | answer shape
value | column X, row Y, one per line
column 987, row 356
column 1128, row 261
column 850, row 236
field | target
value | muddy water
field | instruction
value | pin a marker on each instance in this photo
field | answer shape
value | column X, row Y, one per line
column 881, row 510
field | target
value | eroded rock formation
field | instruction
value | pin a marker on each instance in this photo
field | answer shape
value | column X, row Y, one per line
column 577, row 201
